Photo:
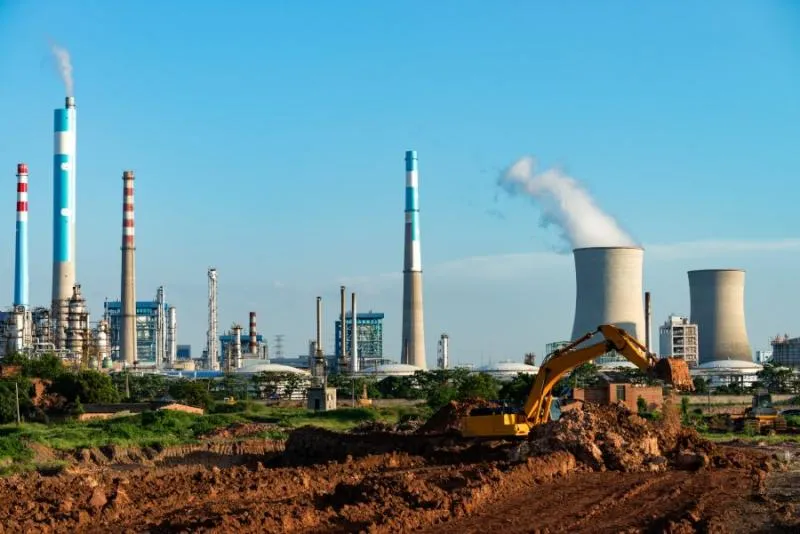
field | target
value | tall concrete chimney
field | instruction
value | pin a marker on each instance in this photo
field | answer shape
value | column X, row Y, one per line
column 172, row 336
column 63, row 217
column 717, row 308
column 21, row 253
column 413, row 345
column 128, row 342
column 648, row 322
column 253, row 336
column 355, row 364
column 609, row 290
column 236, row 353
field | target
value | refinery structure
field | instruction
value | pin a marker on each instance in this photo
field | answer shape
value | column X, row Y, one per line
column 143, row 334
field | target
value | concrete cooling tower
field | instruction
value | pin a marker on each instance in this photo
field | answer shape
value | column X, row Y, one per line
column 717, row 308
column 609, row 290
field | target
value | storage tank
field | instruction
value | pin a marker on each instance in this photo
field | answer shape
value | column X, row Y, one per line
column 609, row 290
column 717, row 308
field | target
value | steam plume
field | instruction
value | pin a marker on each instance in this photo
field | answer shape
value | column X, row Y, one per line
column 64, row 67
column 566, row 204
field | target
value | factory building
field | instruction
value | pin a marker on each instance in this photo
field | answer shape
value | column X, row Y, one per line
column 370, row 337
column 786, row 351
column 184, row 352
column 147, row 328
column 678, row 337
column 228, row 342
column 763, row 356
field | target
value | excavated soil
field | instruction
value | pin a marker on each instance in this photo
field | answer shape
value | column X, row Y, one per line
column 638, row 477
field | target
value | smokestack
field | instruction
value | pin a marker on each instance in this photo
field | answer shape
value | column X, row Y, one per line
column 172, row 336
column 609, row 289
column 128, row 342
column 343, row 329
column 717, row 308
column 21, row 261
column 253, row 344
column 318, row 342
column 648, row 322
column 212, row 351
column 63, row 216
column 355, row 363
column 413, row 346
column 237, row 346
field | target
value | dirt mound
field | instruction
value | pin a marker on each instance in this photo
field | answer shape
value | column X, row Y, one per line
column 448, row 418
column 614, row 438
column 237, row 430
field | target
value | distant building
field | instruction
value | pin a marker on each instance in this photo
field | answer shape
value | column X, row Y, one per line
column 763, row 356
column 678, row 337
column 786, row 351
column 554, row 346
column 370, row 336
column 184, row 352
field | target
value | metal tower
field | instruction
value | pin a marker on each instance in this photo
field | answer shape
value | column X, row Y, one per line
column 211, row 343
column 161, row 329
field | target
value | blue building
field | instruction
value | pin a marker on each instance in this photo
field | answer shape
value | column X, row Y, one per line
column 146, row 321
column 370, row 335
column 183, row 352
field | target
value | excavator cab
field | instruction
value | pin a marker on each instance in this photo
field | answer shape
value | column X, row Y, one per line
column 762, row 415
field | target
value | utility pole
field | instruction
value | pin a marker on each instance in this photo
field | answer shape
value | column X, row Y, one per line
column 16, row 391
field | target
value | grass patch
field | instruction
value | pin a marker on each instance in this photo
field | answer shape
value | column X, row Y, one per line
column 740, row 436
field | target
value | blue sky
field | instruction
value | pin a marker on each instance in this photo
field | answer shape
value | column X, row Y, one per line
column 268, row 141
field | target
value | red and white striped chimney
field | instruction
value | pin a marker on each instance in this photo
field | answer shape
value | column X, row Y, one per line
column 129, row 342
column 253, row 342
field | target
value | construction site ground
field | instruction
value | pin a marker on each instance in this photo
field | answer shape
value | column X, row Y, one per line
column 597, row 470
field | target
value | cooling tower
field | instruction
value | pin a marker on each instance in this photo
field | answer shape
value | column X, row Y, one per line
column 609, row 290
column 413, row 346
column 717, row 308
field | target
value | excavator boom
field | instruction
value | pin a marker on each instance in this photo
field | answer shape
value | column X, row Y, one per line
column 536, row 409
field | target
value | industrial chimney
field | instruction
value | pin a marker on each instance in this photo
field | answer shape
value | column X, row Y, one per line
column 355, row 364
column 253, row 336
column 128, row 343
column 63, row 217
column 717, row 308
column 236, row 353
column 21, row 258
column 343, row 327
column 172, row 336
column 609, row 290
column 413, row 345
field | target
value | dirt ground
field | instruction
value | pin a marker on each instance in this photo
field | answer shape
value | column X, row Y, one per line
column 595, row 471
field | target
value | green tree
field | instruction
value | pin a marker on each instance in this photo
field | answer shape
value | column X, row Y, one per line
column 641, row 405
column 46, row 366
column 143, row 388
column 700, row 385
column 91, row 386
column 8, row 400
column 776, row 379
column 478, row 385
column 516, row 391
column 191, row 392
column 292, row 384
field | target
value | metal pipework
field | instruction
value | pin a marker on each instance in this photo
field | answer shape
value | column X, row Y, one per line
column 413, row 330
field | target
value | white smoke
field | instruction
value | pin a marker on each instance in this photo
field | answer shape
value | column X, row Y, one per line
column 566, row 204
column 64, row 67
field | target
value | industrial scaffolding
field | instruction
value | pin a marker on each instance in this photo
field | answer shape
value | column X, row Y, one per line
column 370, row 336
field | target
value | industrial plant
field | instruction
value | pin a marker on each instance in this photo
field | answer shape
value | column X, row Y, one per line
column 143, row 334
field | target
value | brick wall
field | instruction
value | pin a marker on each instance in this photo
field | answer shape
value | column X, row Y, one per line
column 609, row 394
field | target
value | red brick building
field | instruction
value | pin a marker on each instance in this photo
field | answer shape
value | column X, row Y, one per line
column 628, row 394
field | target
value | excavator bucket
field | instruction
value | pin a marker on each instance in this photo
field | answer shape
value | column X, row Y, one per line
column 674, row 371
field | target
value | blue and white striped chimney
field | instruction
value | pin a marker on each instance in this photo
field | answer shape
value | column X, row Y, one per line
column 413, row 345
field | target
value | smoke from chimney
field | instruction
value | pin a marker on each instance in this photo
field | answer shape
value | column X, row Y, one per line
column 64, row 65
column 565, row 203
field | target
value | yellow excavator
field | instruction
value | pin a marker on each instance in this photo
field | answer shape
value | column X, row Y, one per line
column 504, row 422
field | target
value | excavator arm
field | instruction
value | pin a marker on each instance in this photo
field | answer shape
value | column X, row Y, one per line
column 561, row 362
column 536, row 410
